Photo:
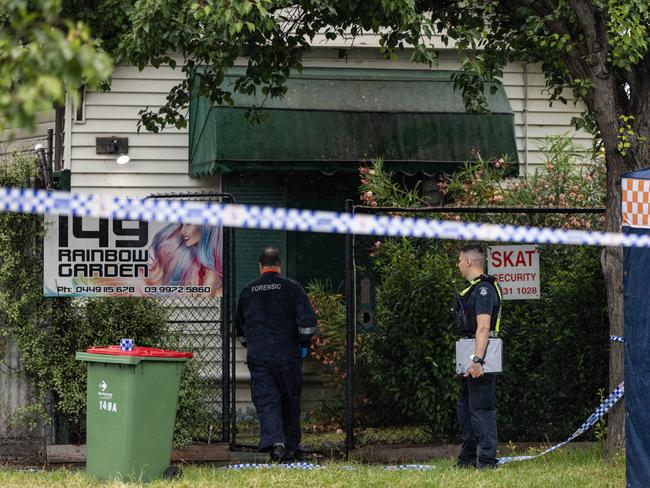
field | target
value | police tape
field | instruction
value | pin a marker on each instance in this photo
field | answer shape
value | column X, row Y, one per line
column 602, row 409
column 616, row 338
column 312, row 466
column 35, row 201
column 303, row 466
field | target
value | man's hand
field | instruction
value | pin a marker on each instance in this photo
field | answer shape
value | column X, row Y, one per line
column 475, row 370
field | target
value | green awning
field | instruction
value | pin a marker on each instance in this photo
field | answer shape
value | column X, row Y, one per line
column 331, row 119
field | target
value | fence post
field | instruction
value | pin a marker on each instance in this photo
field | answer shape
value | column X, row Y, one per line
column 226, row 336
column 350, row 295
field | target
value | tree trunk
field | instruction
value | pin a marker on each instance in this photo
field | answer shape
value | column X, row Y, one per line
column 612, row 258
column 612, row 264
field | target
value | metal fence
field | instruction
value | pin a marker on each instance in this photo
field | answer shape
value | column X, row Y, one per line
column 382, row 421
column 202, row 325
column 22, row 437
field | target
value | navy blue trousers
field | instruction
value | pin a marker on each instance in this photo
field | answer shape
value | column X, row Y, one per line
column 276, row 385
column 477, row 417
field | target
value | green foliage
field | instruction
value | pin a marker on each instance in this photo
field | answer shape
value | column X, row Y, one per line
column 48, row 332
column 274, row 35
column 192, row 416
column 47, row 352
column 627, row 31
column 571, row 177
column 627, row 135
column 410, row 351
column 328, row 346
column 375, row 181
column 41, row 57
column 556, row 348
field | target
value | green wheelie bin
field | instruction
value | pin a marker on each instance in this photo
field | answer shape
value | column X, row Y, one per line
column 131, row 411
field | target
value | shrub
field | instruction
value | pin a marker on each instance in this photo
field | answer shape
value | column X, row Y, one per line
column 555, row 348
column 410, row 352
column 49, row 331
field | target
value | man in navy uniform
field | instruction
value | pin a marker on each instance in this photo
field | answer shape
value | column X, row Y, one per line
column 477, row 315
column 276, row 322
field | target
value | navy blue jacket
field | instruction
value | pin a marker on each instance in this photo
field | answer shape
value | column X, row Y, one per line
column 274, row 312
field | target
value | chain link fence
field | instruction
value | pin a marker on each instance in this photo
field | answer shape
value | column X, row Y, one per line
column 401, row 384
column 22, row 436
column 201, row 325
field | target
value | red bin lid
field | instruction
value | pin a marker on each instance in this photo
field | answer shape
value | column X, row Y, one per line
column 143, row 352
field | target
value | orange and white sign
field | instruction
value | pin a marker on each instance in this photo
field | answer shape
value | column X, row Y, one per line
column 636, row 202
column 516, row 268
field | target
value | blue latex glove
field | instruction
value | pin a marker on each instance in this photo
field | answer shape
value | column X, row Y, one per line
column 304, row 352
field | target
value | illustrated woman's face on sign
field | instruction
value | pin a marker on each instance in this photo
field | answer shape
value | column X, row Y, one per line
column 191, row 234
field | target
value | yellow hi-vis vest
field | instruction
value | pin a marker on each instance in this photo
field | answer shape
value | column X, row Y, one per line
column 466, row 291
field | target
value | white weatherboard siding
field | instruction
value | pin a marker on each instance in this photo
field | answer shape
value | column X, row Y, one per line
column 159, row 162
column 24, row 140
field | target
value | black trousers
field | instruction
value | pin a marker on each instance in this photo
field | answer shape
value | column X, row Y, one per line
column 276, row 386
column 477, row 417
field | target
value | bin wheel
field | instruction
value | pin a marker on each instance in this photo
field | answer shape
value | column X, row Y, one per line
column 172, row 472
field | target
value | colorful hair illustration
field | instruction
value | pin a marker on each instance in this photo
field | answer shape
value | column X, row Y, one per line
column 177, row 261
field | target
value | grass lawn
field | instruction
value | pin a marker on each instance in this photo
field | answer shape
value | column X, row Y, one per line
column 567, row 468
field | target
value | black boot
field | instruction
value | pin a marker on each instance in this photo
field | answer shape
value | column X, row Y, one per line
column 277, row 453
column 293, row 456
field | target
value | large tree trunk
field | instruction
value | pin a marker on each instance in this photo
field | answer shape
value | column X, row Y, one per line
column 606, row 110
column 612, row 264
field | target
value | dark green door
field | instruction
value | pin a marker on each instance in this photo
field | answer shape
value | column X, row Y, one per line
column 255, row 189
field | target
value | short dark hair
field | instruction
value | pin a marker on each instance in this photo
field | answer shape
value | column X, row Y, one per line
column 475, row 253
column 473, row 247
column 270, row 256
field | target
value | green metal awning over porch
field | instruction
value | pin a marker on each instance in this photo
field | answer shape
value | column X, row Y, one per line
column 331, row 119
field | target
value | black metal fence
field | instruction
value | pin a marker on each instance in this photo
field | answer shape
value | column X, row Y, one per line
column 203, row 325
column 383, row 421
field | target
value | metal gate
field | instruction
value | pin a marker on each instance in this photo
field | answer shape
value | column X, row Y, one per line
column 203, row 325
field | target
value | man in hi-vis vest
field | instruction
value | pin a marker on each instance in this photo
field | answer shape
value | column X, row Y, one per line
column 477, row 314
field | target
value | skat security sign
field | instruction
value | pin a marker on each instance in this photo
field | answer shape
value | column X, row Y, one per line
column 516, row 268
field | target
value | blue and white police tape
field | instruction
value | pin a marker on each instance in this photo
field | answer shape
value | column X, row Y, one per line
column 616, row 338
column 310, row 466
column 410, row 467
column 304, row 466
column 247, row 216
column 602, row 409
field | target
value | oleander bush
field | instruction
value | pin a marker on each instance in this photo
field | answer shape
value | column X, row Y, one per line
column 555, row 348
